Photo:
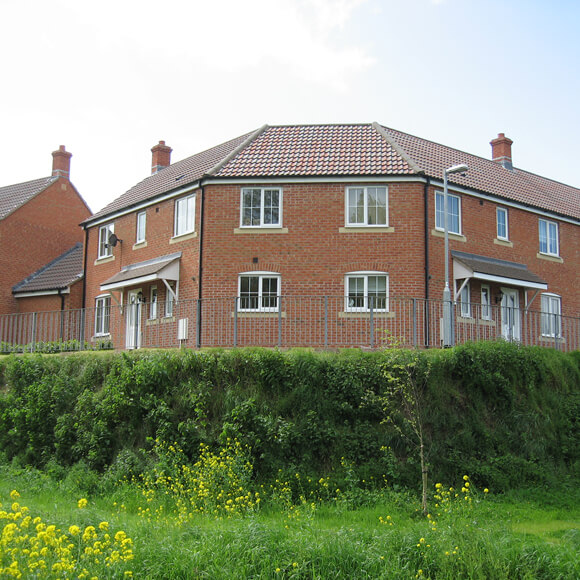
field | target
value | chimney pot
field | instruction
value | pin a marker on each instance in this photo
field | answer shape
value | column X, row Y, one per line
column 61, row 162
column 501, row 151
column 161, row 157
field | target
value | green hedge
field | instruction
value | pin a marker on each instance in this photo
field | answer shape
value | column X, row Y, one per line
column 505, row 414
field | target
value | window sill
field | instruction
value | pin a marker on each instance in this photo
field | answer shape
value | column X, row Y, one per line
column 441, row 234
column 505, row 243
column 183, row 237
column 258, row 230
column 486, row 322
column 140, row 245
column 104, row 260
column 552, row 339
column 366, row 230
column 550, row 258
column 366, row 315
column 97, row 337
column 259, row 314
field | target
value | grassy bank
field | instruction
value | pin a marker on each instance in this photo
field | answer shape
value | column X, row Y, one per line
column 530, row 534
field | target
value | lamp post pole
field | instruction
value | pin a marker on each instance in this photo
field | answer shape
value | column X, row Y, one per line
column 448, row 334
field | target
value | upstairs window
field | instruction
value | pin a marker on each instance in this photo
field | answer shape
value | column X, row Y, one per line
column 141, row 226
column 102, row 315
column 184, row 215
column 549, row 238
column 502, row 223
column 261, row 207
column 551, row 315
column 366, row 290
column 259, row 292
column 366, row 206
column 453, row 213
column 105, row 247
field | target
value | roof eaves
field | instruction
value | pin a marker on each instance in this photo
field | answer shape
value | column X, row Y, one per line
column 411, row 162
column 221, row 164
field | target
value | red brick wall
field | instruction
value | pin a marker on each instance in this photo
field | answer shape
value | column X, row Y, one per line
column 314, row 255
column 36, row 233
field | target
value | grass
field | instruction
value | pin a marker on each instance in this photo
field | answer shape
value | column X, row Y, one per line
column 488, row 537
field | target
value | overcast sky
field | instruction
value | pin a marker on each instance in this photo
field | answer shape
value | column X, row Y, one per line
column 109, row 79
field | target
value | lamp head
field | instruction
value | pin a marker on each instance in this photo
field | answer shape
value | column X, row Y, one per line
column 461, row 168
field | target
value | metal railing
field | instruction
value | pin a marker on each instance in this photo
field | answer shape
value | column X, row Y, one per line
column 300, row 321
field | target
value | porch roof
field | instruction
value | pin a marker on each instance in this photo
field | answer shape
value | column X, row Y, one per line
column 161, row 268
column 494, row 270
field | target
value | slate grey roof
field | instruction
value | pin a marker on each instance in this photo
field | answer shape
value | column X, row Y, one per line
column 56, row 275
column 496, row 267
column 14, row 196
column 349, row 150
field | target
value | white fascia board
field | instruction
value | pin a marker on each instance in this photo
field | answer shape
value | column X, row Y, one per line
column 511, row 281
column 354, row 179
column 144, row 204
column 40, row 293
column 130, row 282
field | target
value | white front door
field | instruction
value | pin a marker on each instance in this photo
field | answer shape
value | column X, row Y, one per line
column 133, row 326
column 510, row 314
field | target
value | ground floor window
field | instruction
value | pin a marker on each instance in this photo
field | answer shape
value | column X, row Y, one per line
column 102, row 315
column 551, row 315
column 259, row 292
column 465, row 301
column 366, row 290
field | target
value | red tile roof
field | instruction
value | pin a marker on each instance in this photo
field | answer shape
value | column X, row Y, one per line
column 361, row 150
column 56, row 275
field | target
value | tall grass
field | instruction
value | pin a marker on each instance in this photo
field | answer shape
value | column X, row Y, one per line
column 355, row 535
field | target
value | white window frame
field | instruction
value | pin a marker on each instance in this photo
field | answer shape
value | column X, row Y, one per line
column 141, row 232
column 153, row 302
column 103, row 315
column 552, row 245
column 485, row 302
column 105, row 248
column 464, row 300
column 365, row 306
column 551, row 315
column 263, row 213
column 502, row 211
column 440, row 213
column 169, row 301
column 184, row 220
column 366, row 191
column 260, row 296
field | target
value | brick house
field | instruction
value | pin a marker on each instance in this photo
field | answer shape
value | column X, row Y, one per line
column 333, row 235
column 39, row 221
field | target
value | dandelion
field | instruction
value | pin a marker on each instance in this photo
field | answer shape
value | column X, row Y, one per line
column 486, row 490
column 82, row 503
column 14, row 495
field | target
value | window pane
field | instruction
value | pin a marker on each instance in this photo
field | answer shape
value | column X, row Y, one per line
column 453, row 208
column 501, row 224
column 439, row 208
column 553, row 242
column 377, row 206
column 249, row 292
column 251, row 207
column 543, row 237
column 356, row 290
column 271, row 206
column 356, row 205
column 269, row 292
column 377, row 288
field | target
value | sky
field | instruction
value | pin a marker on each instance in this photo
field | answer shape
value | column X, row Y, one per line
column 110, row 79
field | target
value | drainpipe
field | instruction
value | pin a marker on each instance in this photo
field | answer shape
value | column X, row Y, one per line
column 84, row 292
column 200, row 271
column 426, row 250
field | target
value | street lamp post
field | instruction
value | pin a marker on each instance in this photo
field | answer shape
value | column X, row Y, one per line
column 448, row 334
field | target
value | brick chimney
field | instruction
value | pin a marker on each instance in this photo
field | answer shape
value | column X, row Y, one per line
column 61, row 163
column 501, row 151
column 161, row 157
